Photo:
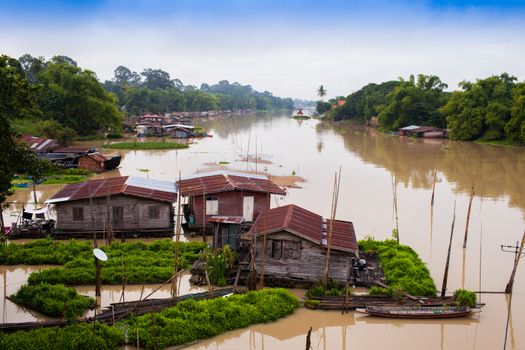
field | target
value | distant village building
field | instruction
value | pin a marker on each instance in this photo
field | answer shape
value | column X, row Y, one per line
column 238, row 196
column 422, row 131
column 38, row 144
column 296, row 244
column 124, row 205
column 179, row 131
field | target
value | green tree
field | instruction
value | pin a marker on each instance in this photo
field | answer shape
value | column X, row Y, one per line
column 515, row 127
column 321, row 92
column 482, row 109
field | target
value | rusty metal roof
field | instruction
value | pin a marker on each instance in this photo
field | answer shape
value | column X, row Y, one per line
column 223, row 181
column 133, row 186
column 227, row 219
column 306, row 224
column 38, row 144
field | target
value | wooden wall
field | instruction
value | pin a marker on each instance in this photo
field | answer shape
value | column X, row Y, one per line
column 310, row 266
column 230, row 204
column 136, row 214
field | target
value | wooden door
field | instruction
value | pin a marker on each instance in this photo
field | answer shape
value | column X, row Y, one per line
column 118, row 217
column 247, row 208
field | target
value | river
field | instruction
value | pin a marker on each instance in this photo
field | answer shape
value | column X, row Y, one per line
column 314, row 151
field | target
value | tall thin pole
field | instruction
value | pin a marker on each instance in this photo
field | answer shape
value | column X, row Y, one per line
column 517, row 256
column 203, row 215
column 394, row 195
column 335, row 197
column 261, row 277
column 432, row 205
column 177, row 240
column 468, row 217
column 445, row 276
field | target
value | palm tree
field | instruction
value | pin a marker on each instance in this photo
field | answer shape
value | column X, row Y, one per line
column 321, row 92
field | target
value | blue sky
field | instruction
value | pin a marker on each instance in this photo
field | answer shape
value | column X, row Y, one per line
column 287, row 47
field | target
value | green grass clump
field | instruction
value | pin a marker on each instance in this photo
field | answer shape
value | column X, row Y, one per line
column 53, row 300
column 74, row 337
column 146, row 145
column 332, row 288
column 143, row 263
column 193, row 320
column 402, row 267
column 465, row 298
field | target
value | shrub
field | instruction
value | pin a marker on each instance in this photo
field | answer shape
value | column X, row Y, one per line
column 311, row 304
column 192, row 320
column 74, row 337
column 465, row 298
column 53, row 300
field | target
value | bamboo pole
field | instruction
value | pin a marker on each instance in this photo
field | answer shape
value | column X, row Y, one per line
column 203, row 215
column 445, row 276
column 517, row 256
column 335, row 197
column 432, row 205
column 177, row 240
column 394, row 195
column 468, row 217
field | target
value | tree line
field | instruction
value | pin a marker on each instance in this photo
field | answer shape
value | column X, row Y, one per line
column 489, row 109
column 154, row 91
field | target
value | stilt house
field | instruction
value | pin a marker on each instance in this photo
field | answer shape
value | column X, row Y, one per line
column 122, row 205
column 227, row 198
column 296, row 245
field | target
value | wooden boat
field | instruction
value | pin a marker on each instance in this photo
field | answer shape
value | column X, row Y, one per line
column 421, row 312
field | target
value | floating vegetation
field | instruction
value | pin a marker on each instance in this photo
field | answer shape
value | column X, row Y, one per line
column 402, row 267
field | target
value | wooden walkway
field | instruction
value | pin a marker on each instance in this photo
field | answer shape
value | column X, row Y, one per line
column 118, row 311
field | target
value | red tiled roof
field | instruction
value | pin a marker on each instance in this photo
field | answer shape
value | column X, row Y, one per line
column 227, row 181
column 306, row 224
column 113, row 186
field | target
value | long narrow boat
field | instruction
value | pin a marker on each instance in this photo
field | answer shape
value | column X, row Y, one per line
column 421, row 312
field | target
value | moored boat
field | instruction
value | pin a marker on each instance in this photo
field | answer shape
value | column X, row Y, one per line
column 422, row 312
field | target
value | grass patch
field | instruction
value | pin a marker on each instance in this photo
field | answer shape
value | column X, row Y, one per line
column 193, row 320
column 56, row 176
column 143, row 263
column 53, row 300
column 224, row 163
column 332, row 289
column 465, row 298
column 146, row 145
column 64, row 179
column 402, row 267
column 74, row 337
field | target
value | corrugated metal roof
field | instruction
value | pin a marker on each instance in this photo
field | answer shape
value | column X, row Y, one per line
column 306, row 224
column 133, row 186
column 227, row 219
column 223, row 181
column 38, row 144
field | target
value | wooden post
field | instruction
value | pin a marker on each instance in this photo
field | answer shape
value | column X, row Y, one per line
column 97, row 277
column 432, row 205
column 263, row 253
column 34, row 192
column 517, row 256
column 177, row 240
column 335, row 197
column 308, row 340
column 445, row 276
column 468, row 217
column 203, row 215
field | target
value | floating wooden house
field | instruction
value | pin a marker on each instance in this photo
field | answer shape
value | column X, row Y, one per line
column 179, row 131
column 422, row 131
column 296, row 245
column 123, row 205
column 237, row 196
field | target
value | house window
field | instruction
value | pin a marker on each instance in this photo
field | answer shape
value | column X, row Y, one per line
column 154, row 212
column 212, row 205
column 78, row 214
column 284, row 249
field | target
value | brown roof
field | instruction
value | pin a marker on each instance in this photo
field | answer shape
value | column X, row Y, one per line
column 138, row 187
column 227, row 219
column 38, row 144
column 223, row 181
column 306, row 224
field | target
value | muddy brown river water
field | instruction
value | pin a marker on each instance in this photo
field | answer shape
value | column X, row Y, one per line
column 315, row 151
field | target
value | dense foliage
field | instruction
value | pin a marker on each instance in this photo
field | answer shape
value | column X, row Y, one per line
column 363, row 104
column 146, row 145
column 192, row 320
column 154, row 91
column 489, row 109
column 53, row 300
column 332, row 288
column 82, row 336
column 218, row 261
column 402, row 267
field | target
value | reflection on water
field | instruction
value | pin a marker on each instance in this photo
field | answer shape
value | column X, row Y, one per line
column 314, row 151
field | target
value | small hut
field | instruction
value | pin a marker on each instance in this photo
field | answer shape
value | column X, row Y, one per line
column 123, row 205
column 296, row 245
column 225, row 194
